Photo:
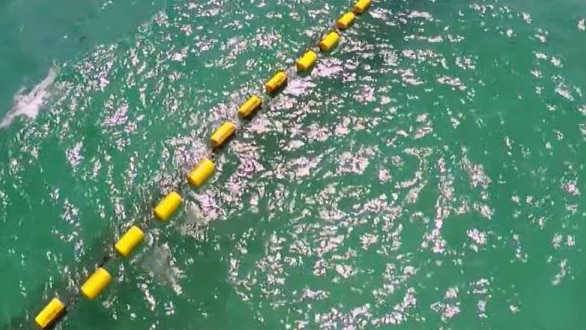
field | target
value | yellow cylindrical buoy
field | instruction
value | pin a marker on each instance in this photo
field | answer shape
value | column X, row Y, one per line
column 129, row 241
column 166, row 207
column 329, row 42
column 50, row 314
column 96, row 283
column 361, row 6
column 201, row 173
column 248, row 107
column 306, row 61
column 345, row 21
column 276, row 82
column 222, row 134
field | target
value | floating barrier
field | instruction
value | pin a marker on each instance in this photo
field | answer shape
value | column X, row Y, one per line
column 250, row 106
column 129, row 241
column 329, row 42
column 96, row 283
column 50, row 314
column 167, row 207
column 201, row 172
column 307, row 61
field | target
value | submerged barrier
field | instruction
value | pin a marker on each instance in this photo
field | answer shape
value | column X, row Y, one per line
column 97, row 282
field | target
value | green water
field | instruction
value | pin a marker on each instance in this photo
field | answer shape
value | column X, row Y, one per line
column 427, row 175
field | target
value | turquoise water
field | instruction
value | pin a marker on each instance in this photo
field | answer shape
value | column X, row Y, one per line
column 426, row 175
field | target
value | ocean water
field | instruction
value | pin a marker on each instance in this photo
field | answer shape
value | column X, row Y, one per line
column 426, row 175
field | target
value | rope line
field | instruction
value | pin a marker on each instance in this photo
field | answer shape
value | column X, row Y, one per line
column 326, row 41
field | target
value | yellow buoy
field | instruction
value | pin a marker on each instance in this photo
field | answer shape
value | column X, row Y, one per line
column 166, row 207
column 248, row 107
column 96, row 283
column 306, row 61
column 361, row 6
column 201, row 173
column 50, row 314
column 129, row 241
column 345, row 21
column 276, row 82
column 330, row 41
column 222, row 134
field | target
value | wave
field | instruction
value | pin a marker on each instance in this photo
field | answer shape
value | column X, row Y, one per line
column 29, row 103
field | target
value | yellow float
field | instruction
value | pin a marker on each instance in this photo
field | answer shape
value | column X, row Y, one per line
column 361, row 6
column 129, row 241
column 329, row 42
column 276, row 82
column 50, row 314
column 201, row 173
column 96, row 283
column 306, row 61
column 222, row 134
column 250, row 106
column 167, row 207
column 345, row 21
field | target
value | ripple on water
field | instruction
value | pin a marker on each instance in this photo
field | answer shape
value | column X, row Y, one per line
column 424, row 173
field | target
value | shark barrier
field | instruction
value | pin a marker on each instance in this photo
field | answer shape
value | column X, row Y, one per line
column 95, row 284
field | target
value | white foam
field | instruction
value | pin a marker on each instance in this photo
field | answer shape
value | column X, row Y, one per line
column 30, row 103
